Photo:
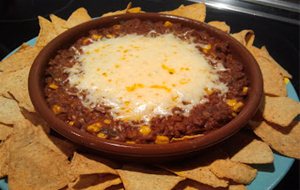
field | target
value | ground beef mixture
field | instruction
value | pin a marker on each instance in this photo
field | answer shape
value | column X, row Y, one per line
column 203, row 118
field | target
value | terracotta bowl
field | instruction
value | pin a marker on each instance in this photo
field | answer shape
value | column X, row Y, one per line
column 152, row 152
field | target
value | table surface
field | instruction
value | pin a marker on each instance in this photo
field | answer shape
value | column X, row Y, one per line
column 18, row 22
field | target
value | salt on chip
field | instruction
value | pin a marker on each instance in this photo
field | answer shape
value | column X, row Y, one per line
column 238, row 172
column 273, row 80
column 195, row 11
column 280, row 110
column 285, row 140
column 245, row 148
column 198, row 168
column 23, row 57
column 5, row 131
column 10, row 111
column 245, row 37
column 47, row 32
column 16, row 84
column 141, row 177
column 4, row 159
column 237, row 187
column 60, row 25
column 83, row 164
column 220, row 25
column 77, row 17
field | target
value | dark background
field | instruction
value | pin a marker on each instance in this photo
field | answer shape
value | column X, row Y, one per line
column 18, row 24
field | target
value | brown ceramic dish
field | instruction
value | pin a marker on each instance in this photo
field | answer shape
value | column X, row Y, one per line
column 147, row 151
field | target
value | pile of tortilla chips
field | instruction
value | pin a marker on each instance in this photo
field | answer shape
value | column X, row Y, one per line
column 32, row 158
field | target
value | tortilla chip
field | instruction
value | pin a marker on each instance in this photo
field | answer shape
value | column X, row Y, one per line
column 83, row 164
column 245, row 37
column 139, row 177
column 273, row 80
column 47, row 32
column 35, row 166
column 60, row 25
column 195, row 11
column 10, row 111
column 95, row 182
column 238, row 172
column 284, row 140
column 127, row 10
column 283, row 72
column 244, row 148
column 23, row 57
column 237, row 187
column 4, row 159
column 280, row 110
column 198, row 168
column 220, row 25
column 77, row 17
column 16, row 84
column 5, row 131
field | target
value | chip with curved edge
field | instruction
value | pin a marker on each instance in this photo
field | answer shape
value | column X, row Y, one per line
column 195, row 11
column 245, row 37
column 280, row 110
column 220, row 25
column 77, row 17
column 285, row 140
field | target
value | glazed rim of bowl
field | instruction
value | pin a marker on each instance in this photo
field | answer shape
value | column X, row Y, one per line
column 36, row 92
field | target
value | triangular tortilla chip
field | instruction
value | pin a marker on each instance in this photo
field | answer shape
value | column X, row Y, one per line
column 139, row 177
column 10, row 111
column 244, row 148
column 47, row 32
column 238, row 172
column 23, row 57
column 77, row 17
column 16, row 84
column 273, row 80
column 59, row 24
column 83, row 164
column 198, row 168
column 280, row 110
column 245, row 37
column 220, row 25
column 284, row 140
column 195, row 11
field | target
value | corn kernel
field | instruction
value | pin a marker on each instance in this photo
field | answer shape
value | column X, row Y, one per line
column 94, row 128
column 231, row 102
column 130, row 142
column 134, row 10
column 145, row 130
column 102, row 135
column 53, row 86
column 56, row 109
column 96, row 37
column 208, row 91
column 237, row 106
column 107, row 121
column 168, row 24
column 109, row 36
column 71, row 123
column 86, row 41
column 245, row 90
column 161, row 139
column 206, row 48
column 286, row 80
column 233, row 114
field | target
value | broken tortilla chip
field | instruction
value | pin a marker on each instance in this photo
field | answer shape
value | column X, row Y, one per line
column 280, row 110
column 195, row 11
column 77, row 17
column 238, row 172
column 245, row 37
column 47, row 32
column 220, row 25
column 273, row 80
column 15, row 84
column 23, row 57
column 140, row 177
column 10, row 111
column 60, row 25
column 285, row 140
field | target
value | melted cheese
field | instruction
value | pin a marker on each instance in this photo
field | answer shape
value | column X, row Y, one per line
column 141, row 77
